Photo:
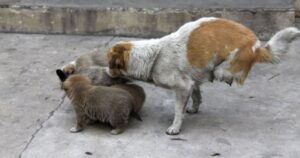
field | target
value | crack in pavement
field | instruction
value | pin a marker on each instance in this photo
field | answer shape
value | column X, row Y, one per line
column 42, row 125
column 106, row 44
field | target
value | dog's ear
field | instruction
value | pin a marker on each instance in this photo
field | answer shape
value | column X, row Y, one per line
column 118, row 55
column 61, row 75
column 115, row 62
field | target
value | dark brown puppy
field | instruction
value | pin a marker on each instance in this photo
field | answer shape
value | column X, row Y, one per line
column 106, row 104
column 138, row 95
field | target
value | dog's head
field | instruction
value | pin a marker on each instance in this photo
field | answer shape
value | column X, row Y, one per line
column 118, row 57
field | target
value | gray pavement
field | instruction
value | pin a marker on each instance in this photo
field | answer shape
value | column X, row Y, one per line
column 258, row 120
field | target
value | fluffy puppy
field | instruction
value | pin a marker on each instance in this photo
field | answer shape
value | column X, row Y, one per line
column 93, row 65
column 93, row 58
column 138, row 95
column 99, row 76
column 106, row 104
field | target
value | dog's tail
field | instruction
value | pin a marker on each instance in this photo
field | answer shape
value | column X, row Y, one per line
column 276, row 46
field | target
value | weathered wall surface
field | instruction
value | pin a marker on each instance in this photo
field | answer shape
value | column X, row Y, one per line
column 154, row 20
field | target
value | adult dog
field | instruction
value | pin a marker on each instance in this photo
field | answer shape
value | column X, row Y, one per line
column 203, row 50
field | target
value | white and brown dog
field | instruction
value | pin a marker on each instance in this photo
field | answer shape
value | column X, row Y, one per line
column 203, row 50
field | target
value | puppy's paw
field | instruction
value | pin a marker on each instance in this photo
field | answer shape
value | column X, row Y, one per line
column 116, row 131
column 75, row 130
column 191, row 110
column 173, row 131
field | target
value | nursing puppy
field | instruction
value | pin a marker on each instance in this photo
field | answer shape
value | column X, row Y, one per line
column 93, row 65
column 99, row 76
column 93, row 58
column 138, row 95
column 106, row 104
column 207, row 49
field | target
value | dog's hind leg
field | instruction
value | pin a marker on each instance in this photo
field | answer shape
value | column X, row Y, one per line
column 197, row 100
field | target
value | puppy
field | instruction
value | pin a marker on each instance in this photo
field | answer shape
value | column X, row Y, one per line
column 98, row 75
column 207, row 49
column 106, row 104
column 93, row 65
column 138, row 95
column 93, row 58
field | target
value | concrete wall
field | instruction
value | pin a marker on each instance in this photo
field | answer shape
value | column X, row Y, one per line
column 154, row 20
column 297, row 7
column 179, row 4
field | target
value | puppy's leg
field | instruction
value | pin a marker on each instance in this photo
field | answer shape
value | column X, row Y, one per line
column 119, row 128
column 117, row 131
column 81, row 120
column 197, row 100
column 120, row 120
column 182, row 96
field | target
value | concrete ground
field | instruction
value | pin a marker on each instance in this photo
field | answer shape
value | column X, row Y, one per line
column 258, row 120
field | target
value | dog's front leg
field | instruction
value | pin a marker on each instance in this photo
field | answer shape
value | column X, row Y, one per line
column 182, row 96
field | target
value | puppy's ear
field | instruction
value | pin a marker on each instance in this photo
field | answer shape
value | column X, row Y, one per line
column 61, row 75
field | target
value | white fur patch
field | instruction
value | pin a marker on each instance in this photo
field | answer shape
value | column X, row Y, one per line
column 256, row 45
column 73, row 62
column 70, row 63
column 280, row 41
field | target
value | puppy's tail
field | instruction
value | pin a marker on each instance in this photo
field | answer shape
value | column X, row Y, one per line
column 136, row 116
column 276, row 46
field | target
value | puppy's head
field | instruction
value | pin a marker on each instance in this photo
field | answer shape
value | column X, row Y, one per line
column 61, row 75
column 118, row 57
column 69, row 82
column 69, row 68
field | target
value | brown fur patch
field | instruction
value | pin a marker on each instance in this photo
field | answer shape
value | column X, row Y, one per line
column 75, row 79
column 118, row 57
column 221, row 37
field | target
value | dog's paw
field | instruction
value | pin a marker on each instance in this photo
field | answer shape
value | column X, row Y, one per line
column 191, row 110
column 75, row 130
column 172, row 131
